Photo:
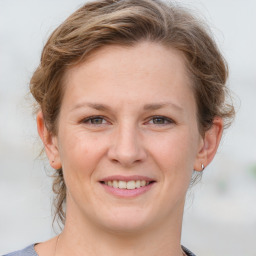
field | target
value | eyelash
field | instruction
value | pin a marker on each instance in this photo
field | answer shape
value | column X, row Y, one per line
column 166, row 121
column 91, row 118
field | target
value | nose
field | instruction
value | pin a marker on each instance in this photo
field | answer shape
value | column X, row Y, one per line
column 127, row 147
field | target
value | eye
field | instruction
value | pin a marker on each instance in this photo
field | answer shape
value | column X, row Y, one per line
column 160, row 120
column 94, row 120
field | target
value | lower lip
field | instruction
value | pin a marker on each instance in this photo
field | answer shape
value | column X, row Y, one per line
column 127, row 192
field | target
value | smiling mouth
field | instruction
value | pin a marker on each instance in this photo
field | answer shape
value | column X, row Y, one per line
column 131, row 184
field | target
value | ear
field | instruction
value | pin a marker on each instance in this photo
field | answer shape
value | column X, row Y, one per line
column 50, row 142
column 209, row 145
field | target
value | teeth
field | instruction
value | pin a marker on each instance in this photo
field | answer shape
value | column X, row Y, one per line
column 115, row 184
column 132, row 184
column 143, row 183
column 122, row 184
column 137, row 184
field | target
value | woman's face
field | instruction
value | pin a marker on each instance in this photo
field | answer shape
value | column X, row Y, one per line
column 128, row 137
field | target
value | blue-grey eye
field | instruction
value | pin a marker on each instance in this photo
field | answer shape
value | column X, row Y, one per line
column 96, row 120
column 160, row 120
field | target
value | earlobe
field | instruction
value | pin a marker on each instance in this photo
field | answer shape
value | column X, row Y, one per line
column 49, row 141
column 209, row 145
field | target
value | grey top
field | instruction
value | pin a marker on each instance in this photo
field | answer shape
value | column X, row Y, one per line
column 30, row 251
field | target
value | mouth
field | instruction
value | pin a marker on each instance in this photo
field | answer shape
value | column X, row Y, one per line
column 129, row 185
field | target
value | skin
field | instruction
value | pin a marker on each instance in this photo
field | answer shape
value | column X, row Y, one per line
column 146, row 125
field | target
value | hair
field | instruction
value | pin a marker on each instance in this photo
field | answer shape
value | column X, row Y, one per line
column 128, row 22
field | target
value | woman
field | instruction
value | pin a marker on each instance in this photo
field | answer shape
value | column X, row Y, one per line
column 131, row 104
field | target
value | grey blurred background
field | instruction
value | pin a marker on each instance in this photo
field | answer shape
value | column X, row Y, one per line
column 220, row 215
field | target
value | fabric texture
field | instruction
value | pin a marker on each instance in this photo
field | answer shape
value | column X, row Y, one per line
column 30, row 251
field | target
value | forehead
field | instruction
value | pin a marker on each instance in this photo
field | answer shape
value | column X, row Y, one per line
column 142, row 58
column 146, row 69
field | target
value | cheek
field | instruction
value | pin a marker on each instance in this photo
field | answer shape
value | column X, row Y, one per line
column 79, row 155
column 176, row 151
column 175, row 155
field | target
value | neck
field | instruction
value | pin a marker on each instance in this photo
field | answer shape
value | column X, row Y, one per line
column 81, row 237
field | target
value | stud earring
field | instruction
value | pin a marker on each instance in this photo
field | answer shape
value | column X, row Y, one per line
column 202, row 167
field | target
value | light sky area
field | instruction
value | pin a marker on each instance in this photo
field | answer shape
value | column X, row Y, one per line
column 220, row 216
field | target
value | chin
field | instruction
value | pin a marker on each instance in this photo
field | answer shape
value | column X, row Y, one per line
column 127, row 221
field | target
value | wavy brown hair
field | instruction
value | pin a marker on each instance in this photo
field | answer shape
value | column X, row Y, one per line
column 128, row 22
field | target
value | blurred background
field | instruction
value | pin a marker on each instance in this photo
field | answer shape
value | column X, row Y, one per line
column 220, row 214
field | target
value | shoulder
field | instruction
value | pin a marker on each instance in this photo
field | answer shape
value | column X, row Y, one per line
column 28, row 251
column 187, row 251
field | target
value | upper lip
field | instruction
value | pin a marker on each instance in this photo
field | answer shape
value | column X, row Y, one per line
column 127, row 178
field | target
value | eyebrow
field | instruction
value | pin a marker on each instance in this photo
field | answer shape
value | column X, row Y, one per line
column 96, row 106
column 157, row 106
column 147, row 107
